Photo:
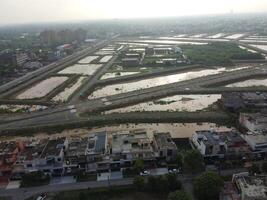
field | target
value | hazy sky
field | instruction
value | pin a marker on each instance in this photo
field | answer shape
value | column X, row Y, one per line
column 24, row 11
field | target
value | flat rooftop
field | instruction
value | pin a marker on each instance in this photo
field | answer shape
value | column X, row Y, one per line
column 77, row 146
column 53, row 147
column 33, row 149
column 97, row 143
column 164, row 141
column 127, row 142
column 257, row 139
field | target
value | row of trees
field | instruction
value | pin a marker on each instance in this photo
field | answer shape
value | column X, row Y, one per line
column 167, row 184
column 32, row 179
column 158, row 184
column 207, row 186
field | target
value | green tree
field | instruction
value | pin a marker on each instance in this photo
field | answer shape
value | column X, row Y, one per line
column 254, row 169
column 34, row 179
column 179, row 195
column 208, row 186
column 139, row 182
column 193, row 161
column 173, row 182
column 162, row 184
column 82, row 196
column 139, row 166
column 264, row 167
column 179, row 161
column 153, row 184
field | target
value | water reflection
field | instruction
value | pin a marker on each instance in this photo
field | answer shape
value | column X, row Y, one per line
column 156, row 81
column 190, row 103
column 249, row 83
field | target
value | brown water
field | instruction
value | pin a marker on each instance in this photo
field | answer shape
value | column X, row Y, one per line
column 189, row 103
column 249, row 83
column 156, row 81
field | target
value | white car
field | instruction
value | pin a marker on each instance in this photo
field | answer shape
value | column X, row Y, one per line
column 144, row 173
column 175, row 171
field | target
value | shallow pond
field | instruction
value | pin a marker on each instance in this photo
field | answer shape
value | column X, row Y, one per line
column 42, row 88
column 189, row 103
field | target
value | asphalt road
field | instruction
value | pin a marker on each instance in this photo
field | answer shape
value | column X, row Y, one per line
column 24, row 193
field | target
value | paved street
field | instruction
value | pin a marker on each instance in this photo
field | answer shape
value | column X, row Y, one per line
column 24, row 193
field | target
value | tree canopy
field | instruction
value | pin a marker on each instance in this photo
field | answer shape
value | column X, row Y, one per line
column 193, row 161
column 179, row 195
column 208, row 186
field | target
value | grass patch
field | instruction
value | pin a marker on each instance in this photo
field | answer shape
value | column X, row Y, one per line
column 112, row 193
column 218, row 53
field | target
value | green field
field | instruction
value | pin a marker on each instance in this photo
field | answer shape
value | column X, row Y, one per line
column 219, row 53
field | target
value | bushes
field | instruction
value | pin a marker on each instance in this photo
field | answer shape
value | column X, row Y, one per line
column 193, row 161
column 158, row 184
column 208, row 186
column 82, row 177
column 179, row 195
column 129, row 173
column 94, row 194
column 34, row 179
column 139, row 183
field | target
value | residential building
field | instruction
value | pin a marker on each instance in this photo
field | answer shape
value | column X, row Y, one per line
column 7, row 57
column 43, row 155
column 75, row 155
column 21, row 58
column 130, row 62
column 162, row 50
column 254, row 122
column 212, row 144
column 97, row 152
column 209, row 143
column 126, row 147
column 257, row 142
column 251, row 187
column 8, row 156
column 164, row 146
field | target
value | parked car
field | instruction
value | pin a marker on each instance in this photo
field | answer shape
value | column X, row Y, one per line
column 144, row 173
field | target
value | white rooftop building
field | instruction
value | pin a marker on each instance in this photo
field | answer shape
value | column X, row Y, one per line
column 251, row 187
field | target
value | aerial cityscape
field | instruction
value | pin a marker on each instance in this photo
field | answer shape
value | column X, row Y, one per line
column 172, row 107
